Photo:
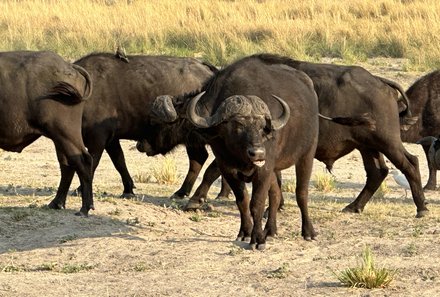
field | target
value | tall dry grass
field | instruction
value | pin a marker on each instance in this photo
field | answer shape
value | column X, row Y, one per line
column 222, row 31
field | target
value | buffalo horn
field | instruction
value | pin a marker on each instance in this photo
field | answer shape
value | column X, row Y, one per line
column 197, row 120
column 284, row 117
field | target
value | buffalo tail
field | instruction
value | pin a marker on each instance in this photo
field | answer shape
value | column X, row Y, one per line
column 362, row 120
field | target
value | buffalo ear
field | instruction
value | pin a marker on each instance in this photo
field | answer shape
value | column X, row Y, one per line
column 163, row 108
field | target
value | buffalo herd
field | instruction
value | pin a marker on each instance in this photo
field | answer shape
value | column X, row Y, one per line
column 260, row 115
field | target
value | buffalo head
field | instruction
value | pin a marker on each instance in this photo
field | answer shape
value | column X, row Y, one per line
column 244, row 123
column 164, row 131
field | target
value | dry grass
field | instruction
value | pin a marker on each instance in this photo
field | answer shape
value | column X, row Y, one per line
column 324, row 182
column 165, row 171
column 222, row 31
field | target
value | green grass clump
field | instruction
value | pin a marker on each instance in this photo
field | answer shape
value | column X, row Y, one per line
column 366, row 275
column 289, row 186
column 382, row 190
column 325, row 182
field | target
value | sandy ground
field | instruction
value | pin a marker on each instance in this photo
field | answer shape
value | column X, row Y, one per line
column 147, row 246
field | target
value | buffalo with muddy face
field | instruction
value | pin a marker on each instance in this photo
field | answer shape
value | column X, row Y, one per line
column 253, row 135
column 41, row 94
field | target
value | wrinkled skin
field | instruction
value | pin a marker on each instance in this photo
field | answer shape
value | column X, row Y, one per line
column 424, row 98
column 41, row 94
column 124, row 90
column 249, row 149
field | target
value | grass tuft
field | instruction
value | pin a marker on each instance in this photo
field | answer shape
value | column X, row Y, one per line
column 166, row 171
column 366, row 275
column 325, row 182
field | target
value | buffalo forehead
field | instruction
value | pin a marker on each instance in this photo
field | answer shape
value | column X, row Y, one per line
column 244, row 106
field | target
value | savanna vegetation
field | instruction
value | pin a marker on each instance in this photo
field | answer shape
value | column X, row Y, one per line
column 222, row 31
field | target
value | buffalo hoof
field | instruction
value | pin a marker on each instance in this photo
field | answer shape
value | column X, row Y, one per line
column 422, row 213
column 128, row 195
column 178, row 196
column 259, row 247
column 350, row 209
column 194, row 205
column 243, row 238
column 54, row 205
column 83, row 212
column 429, row 188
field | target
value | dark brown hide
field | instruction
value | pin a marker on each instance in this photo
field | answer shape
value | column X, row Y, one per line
column 41, row 94
column 424, row 98
column 124, row 90
column 249, row 149
column 348, row 91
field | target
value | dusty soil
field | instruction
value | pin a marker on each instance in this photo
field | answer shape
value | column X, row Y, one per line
column 147, row 246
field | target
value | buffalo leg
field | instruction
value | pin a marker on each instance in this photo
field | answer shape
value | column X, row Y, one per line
column 259, row 196
column 197, row 157
column 201, row 193
column 225, row 190
column 279, row 182
column 274, row 205
column 242, row 200
column 67, row 173
column 432, row 179
column 409, row 166
column 81, row 161
column 303, row 170
column 377, row 170
column 116, row 154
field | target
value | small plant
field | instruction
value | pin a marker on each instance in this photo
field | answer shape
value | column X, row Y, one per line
column 325, row 182
column 133, row 221
column 166, row 172
column 367, row 275
column 141, row 267
column 289, row 186
column 279, row 273
column 417, row 231
column 19, row 215
column 10, row 268
column 382, row 190
column 235, row 250
column 411, row 250
column 196, row 217
column 47, row 267
column 115, row 212
column 142, row 178
column 74, row 268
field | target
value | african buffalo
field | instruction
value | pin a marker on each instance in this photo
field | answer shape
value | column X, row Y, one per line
column 258, row 118
column 43, row 95
column 124, row 90
column 424, row 97
column 350, row 90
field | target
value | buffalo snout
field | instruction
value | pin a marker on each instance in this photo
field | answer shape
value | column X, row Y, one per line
column 144, row 147
column 257, row 155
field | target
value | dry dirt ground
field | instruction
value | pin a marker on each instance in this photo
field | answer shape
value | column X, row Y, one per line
column 147, row 246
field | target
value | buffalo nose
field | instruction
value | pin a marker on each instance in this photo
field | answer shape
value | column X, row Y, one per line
column 256, row 153
column 140, row 147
